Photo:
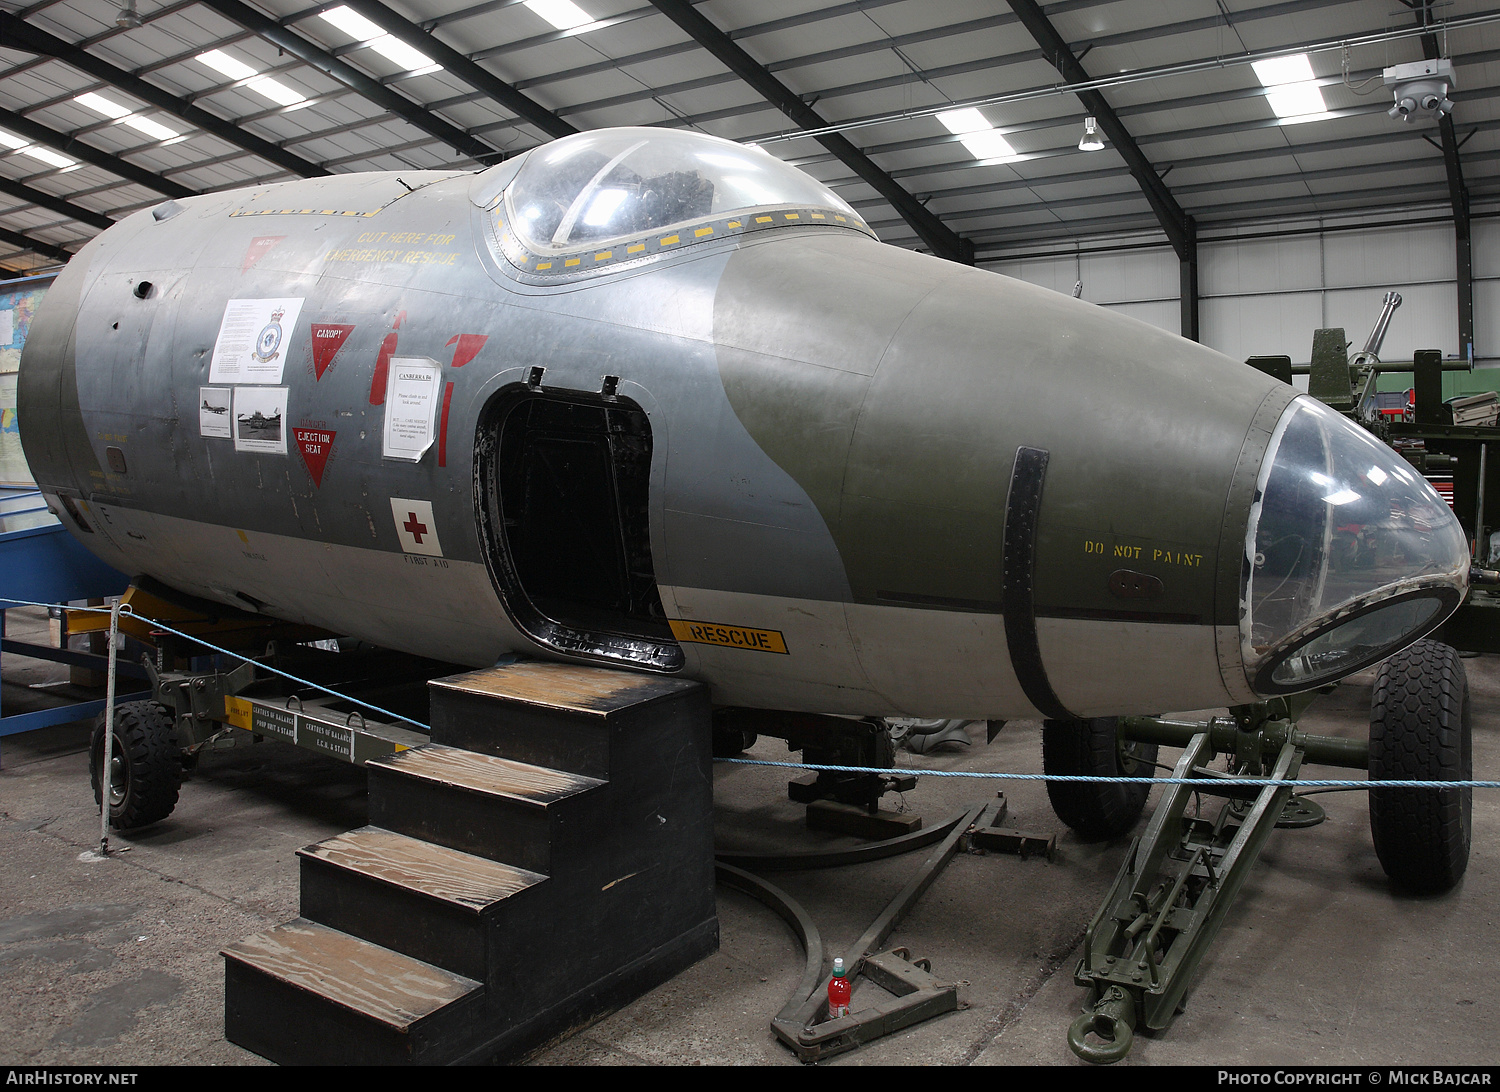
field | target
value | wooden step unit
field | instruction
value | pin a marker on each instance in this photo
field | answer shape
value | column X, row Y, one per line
column 547, row 858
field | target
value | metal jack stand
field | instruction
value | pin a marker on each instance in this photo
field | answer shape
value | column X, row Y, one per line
column 1181, row 877
column 803, row 1023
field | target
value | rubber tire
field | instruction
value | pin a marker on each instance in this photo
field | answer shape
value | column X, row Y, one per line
column 146, row 745
column 1420, row 730
column 732, row 742
column 1095, row 811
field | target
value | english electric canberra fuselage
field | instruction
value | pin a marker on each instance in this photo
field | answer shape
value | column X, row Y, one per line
column 652, row 399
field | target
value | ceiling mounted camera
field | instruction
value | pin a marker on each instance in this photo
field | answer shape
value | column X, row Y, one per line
column 1421, row 89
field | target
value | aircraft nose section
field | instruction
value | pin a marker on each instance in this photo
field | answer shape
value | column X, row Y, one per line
column 1349, row 554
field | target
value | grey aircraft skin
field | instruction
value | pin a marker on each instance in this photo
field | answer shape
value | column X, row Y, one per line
column 730, row 437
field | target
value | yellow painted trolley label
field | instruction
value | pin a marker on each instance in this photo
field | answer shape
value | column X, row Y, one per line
column 712, row 633
column 237, row 712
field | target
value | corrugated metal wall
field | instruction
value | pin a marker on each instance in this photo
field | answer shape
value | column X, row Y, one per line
column 1267, row 295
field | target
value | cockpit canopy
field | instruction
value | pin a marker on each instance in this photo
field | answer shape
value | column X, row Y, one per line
column 1349, row 555
column 593, row 187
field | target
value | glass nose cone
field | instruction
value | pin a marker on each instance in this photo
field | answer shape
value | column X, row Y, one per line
column 1349, row 554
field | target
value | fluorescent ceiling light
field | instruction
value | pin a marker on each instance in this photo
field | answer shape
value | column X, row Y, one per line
column 1343, row 496
column 276, row 91
column 1294, row 100
column 10, row 140
column 562, row 14
column 964, row 121
column 47, row 156
column 226, row 65
column 266, row 86
column 352, row 23
column 989, row 144
column 976, row 134
column 371, row 34
column 1376, row 475
column 1295, row 69
column 1290, row 90
column 101, row 105
column 394, row 49
column 111, row 109
column 154, row 129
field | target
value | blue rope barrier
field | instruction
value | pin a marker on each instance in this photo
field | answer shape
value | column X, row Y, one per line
column 1306, row 783
column 1301, row 783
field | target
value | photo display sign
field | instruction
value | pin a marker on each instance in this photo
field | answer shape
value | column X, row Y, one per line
column 260, row 419
column 213, row 412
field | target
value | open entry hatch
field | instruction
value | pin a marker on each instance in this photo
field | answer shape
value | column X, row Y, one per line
column 564, row 486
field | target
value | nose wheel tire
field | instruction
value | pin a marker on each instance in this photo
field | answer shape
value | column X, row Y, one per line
column 145, row 768
column 1095, row 810
column 1420, row 730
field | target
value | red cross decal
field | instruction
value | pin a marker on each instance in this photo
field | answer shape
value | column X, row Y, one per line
column 414, row 528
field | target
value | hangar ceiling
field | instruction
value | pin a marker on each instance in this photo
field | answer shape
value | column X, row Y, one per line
column 99, row 119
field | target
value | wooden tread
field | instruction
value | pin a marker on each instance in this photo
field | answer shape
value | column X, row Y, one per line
column 536, row 785
column 448, row 875
column 375, row 982
column 570, row 688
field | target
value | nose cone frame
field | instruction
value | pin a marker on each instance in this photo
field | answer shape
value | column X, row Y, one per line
column 1349, row 554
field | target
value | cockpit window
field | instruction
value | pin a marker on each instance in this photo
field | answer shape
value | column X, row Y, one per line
column 612, row 183
column 1349, row 554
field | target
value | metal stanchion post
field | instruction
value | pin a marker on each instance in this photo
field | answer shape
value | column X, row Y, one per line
column 106, row 771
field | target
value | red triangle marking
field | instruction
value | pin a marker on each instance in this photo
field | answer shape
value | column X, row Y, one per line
column 259, row 247
column 327, row 339
column 468, row 347
column 315, row 443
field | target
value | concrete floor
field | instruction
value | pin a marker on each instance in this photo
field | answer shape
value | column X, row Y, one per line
column 116, row 962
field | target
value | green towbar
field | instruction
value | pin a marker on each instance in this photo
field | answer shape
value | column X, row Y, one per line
column 1180, row 878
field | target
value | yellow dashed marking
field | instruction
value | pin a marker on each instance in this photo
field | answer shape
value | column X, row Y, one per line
column 603, row 254
column 701, row 232
column 734, row 223
column 793, row 216
column 544, row 265
column 572, row 261
column 669, row 240
column 840, row 219
column 762, row 219
column 819, row 216
column 635, row 248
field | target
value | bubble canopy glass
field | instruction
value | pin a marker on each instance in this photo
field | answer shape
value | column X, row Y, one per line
column 1349, row 554
column 612, row 183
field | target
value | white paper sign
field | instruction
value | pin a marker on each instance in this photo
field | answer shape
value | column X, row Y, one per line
column 260, row 419
column 213, row 412
column 253, row 339
column 415, row 526
column 411, row 395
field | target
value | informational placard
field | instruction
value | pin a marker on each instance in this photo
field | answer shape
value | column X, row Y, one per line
column 213, row 412
column 411, row 397
column 252, row 342
column 260, row 419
